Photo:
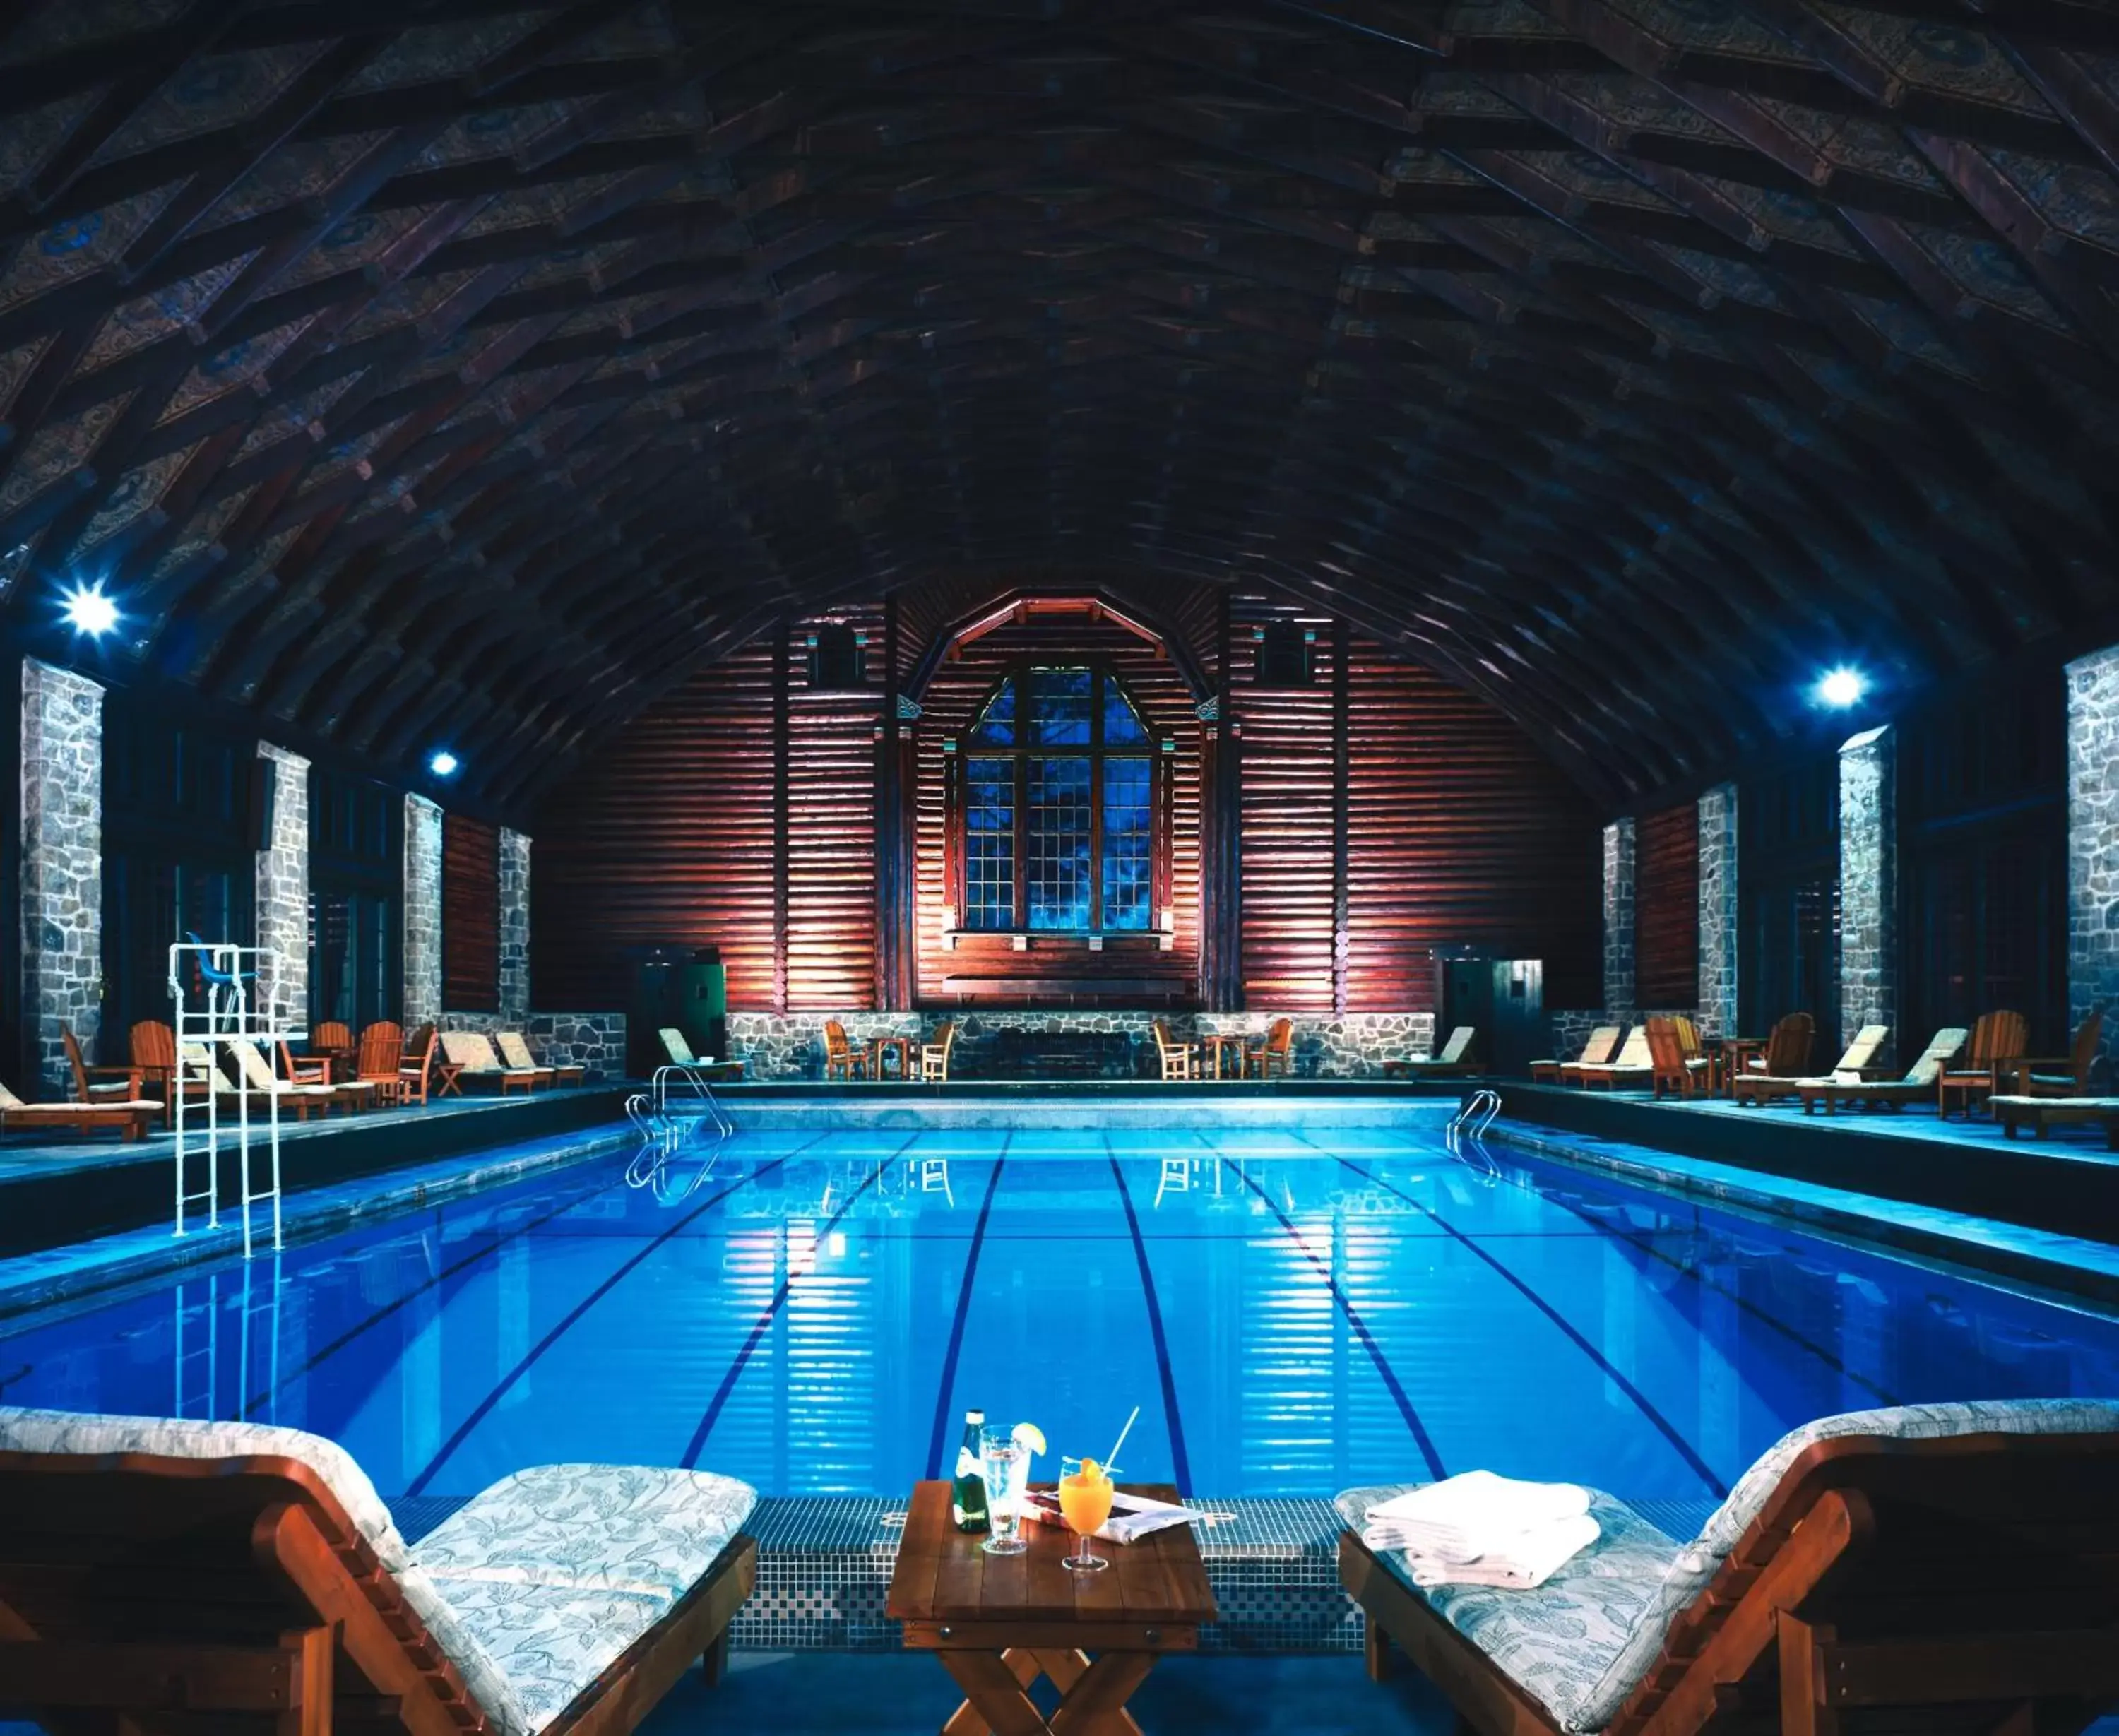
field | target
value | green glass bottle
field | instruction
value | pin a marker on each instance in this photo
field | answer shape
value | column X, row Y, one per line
column 967, row 1498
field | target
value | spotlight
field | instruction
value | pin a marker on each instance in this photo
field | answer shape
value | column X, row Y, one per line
column 442, row 764
column 1841, row 689
column 90, row 611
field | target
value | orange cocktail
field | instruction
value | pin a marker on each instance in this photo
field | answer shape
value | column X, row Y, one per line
column 1085, row 1503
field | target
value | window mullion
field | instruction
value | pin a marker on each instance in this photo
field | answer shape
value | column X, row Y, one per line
column 1021, row 829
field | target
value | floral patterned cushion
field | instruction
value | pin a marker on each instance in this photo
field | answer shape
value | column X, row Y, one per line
column 484, row 1677
column 173, row 1438
column 549, row 1643
column 1580, row 1648
column 592, row 1527
column 1557, row 1642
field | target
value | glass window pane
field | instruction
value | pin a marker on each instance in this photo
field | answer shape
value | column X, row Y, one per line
column 1059, row 835
column 988, row 844
column 1059, row 701
column 996, row 728
column 1128, row 859
column 1122, row 725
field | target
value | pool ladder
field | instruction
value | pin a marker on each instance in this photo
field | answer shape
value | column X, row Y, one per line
column 1462, row 1135
column 649, row 1110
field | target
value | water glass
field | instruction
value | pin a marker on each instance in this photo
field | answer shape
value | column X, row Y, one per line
column 1004, row 1462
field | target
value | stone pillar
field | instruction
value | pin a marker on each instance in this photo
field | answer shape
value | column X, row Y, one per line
column 1619, row 916
column 2093, row 845
column 422, row 912
column 1868, row 882
column 1717, row 910
column 514, row 929
column 62, row 865
column 282, row 883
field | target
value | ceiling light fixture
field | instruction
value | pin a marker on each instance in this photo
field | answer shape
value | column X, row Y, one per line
column 89, row 611
column 444, row 764
column 1842, row 688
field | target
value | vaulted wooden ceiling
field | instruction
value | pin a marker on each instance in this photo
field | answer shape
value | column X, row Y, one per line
column 467, row 372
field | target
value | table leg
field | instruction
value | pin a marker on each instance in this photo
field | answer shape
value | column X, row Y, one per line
column 1095, row 1704
column 992, row 1694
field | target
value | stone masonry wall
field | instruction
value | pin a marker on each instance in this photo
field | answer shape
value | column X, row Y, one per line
column 1868, row 882
column 595, row 1040
column 62, row 865
column 1718, row 911
column 775, row 1046
column 283, row 886
column 423, row 911
column 2093, row 846
column 514, row 927
column 1619, row 913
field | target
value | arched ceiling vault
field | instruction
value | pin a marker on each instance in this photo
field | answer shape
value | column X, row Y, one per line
column 424, row 370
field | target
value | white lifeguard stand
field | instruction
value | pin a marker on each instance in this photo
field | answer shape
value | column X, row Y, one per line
column 244, row 999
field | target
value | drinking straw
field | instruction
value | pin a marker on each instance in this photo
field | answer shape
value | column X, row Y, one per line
column 1121, row 1441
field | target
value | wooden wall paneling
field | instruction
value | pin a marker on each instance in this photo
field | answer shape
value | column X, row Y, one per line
column 1288, row 808
column 668, row 839
column 471, row 915
column 832, row 869
column 1342, row 790
column 1667, row 909
column 1460, row 834
column 781, row 675
column 893, row 891
column 1220, row 883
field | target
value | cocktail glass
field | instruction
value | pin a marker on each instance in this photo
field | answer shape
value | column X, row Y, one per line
column 1004, row 1462
column 1085, row 1503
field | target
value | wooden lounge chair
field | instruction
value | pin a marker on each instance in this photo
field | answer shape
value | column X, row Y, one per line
column 934, row 1054
column 1275, row 1052
column 161, row 1576
column 426, row 1069
column 129, row 1120
column 1633, row 1068
column 1917, row 1086
column 1771, row 1085
column 262, row 1084
column 1679, row 1063
column 470, row 1053
column 1938, row 1569
column 109, row 1083
column 2066, row 1075
column 1455, row 1061
column 1179, row 1060
column 842, row 1059
column 515, row 1051
column 153, row 1045
column 1603, row 1044
column 2042, row 1115
column 380, row 1061
column 1998, row 1042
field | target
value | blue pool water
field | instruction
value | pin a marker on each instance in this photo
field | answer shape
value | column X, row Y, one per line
column 1294, row 1314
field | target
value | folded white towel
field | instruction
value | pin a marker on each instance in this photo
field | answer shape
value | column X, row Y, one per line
column 1475, row 1514
column 1531, row 1558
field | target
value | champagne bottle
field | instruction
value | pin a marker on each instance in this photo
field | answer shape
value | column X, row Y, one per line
column 967, row 1499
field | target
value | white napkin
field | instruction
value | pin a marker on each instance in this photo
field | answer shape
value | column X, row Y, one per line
column 1474, row 1514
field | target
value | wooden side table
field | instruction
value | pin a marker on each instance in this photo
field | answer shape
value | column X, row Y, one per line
column 878, row 1046
column 997, row 1623
column 1217, row 1043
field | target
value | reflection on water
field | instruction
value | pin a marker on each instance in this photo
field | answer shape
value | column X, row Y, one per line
column 815, row 1312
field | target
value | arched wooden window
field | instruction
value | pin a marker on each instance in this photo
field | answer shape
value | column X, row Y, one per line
column 1054, row 815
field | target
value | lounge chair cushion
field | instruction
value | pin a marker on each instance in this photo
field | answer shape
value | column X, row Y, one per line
column 545, row 1642
column 592, row 1527
column 170, row 1438
column 1559, row 1642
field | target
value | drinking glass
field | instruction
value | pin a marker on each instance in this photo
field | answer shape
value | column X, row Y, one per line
column 1085, row 1503
column 1004, row 1462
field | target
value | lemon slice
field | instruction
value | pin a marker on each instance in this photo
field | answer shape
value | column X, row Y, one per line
column 1029, row 1436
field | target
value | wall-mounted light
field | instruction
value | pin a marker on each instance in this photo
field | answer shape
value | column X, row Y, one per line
column 444, row 764
column 1842, row 688
column 89, row 611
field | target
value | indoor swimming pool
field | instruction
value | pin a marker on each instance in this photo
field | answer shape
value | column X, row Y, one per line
column 1295, row 1313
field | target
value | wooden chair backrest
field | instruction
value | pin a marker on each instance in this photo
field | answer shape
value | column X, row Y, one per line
column 1787, row 1049
column 1635, row 1051
column 1930, row 1061
column 835, row 1041
column 1853, row 1537
column 471, row 1050
column 1280, row 1036
column 515, row 1051
column 419, row 1061
column 252, row 1068
column 2082, row 1055
column 119, row 1548
column 416, row 1043
column 74, row 1060
column 944, row 1038
column 153, row 1044
column 1603, row 1043
column 1164, row 1042
column 332, row 1035
column 381, row 1051
column 1665, row 1052
column 1690, row 1048
column 1996, row 1037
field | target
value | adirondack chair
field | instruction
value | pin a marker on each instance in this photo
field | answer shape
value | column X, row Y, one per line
column 1998, row 1042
